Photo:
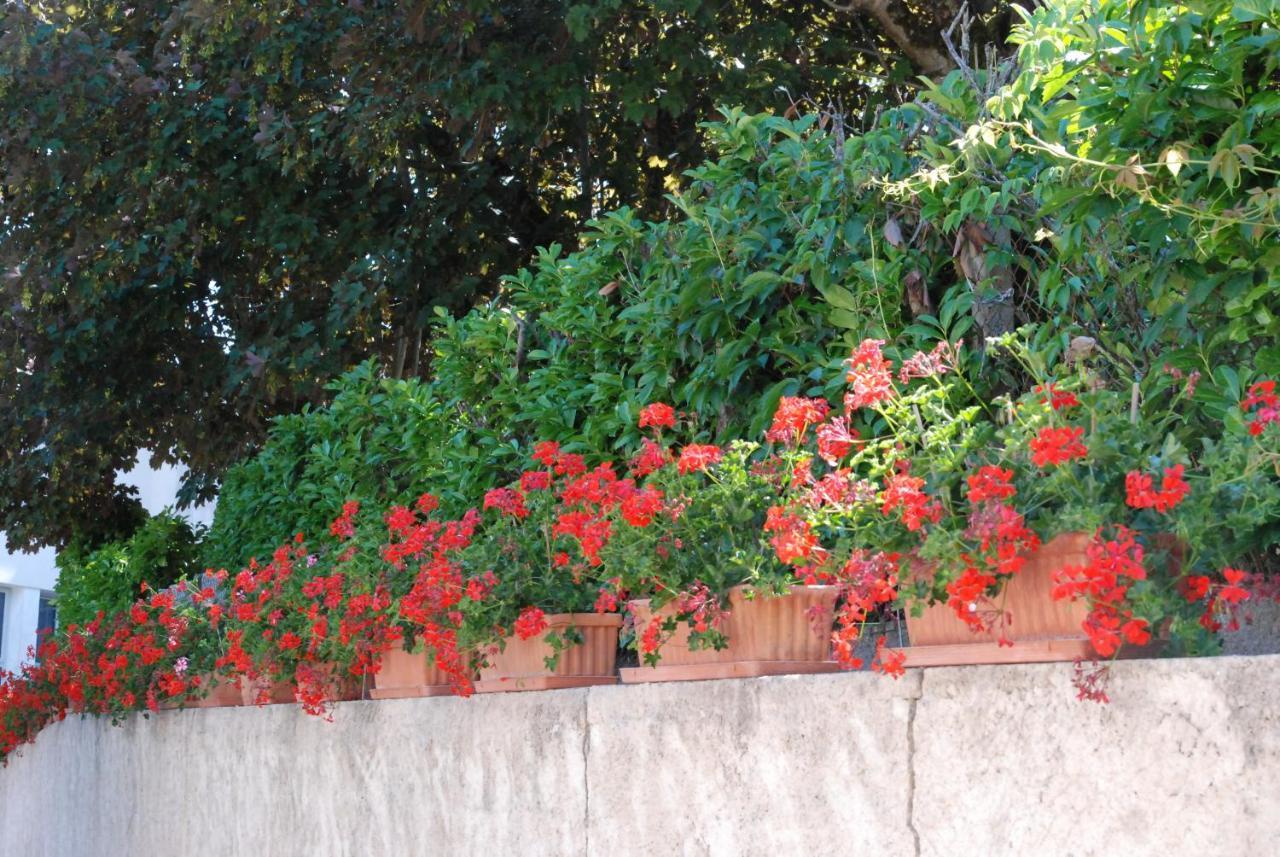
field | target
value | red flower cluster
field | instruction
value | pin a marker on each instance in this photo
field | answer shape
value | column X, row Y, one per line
column 640, row 506
column 868, row 581
column 1140, row 494
column 794, row 416
column 535, row 480
column 929, row 364
column 792, row 538
column 530, row 623
column 343, row 526
column 651, row 458
column 1114, row 566
column 1264, row 405
column 698, row 456
column 1055, row 398
column 870, row 376
column 990, row 483
column 657, row 415
column 1057, row 446
column 904, row 491
column 1220, row 599
column 835, row 440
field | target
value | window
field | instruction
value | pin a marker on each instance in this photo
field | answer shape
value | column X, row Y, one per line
column 2, row 594
column 47, row 618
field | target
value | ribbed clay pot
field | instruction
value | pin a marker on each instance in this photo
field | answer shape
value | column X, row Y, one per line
column 767, row 635
column 1040, row 628
column 262, row 690
column 340, row 686
column 404, row 673
column 521, row 665
column 794, row 626
column 1027, row 597
column 224, row 693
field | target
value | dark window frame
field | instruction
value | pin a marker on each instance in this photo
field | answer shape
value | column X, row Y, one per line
column 46, row 613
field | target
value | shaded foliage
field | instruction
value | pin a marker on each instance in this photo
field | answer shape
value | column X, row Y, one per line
column 1001, row 197
column 212, row 209
column 108, row 579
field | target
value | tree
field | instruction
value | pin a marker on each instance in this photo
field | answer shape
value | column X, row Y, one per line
column 211, row 209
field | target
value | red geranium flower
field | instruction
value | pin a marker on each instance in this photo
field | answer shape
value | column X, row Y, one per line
column 904, row 491
column 835, row 439
column 1055, row 398
column 657, row 415
column 1233, row 592
column 546, row 452
column 1140, row 492
column 1262, row 395
column 650, row 458
column 698, row 456
column 1057, row 446
column 530, row 623
column 342, row 526
column 870, row 375
column 535, row 480
column 991, row 483
column 793, row 417
column 929, row 364
column 506, row 500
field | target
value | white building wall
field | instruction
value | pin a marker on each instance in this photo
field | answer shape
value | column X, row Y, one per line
column 25, row 577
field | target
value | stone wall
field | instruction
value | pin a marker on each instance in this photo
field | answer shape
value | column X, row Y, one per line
column 966, row 761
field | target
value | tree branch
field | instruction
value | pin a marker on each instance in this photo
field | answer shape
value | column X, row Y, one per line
column 930, row 61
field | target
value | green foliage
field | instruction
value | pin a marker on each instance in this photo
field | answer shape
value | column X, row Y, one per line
column 991, row 201
column 372, row 443
column 753, row 292
column 756, row 291
column 213, row 209
column 108, row 579
column 1123, row 183
column 717, row 539
column 1169, row 129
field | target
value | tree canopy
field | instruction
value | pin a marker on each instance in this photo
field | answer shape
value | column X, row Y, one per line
column 212, row 209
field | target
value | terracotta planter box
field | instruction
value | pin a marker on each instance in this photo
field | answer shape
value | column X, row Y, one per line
column 225, row 693
column 768, row 635
column 1041, row 629
column 406, row 674
column 521, row 664
column 263, row 690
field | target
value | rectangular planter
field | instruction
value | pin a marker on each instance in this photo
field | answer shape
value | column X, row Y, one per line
column 263, row 690
column 404, row 674
column 225, row 693
column 521, row 665
column 767, row 635
column 1041, row 629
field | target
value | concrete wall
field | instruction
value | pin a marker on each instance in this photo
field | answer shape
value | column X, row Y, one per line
column 983, row 760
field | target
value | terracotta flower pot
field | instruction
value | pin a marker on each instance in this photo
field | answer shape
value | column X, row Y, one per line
column 521, row 665
column 263, row 690
column 767, row 635
column 1040, row 628
column 406, row 674
column 224, row 693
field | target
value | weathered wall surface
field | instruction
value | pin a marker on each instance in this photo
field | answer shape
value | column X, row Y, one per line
column 980, row 760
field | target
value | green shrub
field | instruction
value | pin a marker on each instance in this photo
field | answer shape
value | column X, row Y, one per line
column 1118, row 184
column 376, row 439
column 111, row 577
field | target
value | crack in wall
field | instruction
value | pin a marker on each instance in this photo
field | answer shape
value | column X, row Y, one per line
column 912, row 702
column 586, row 773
